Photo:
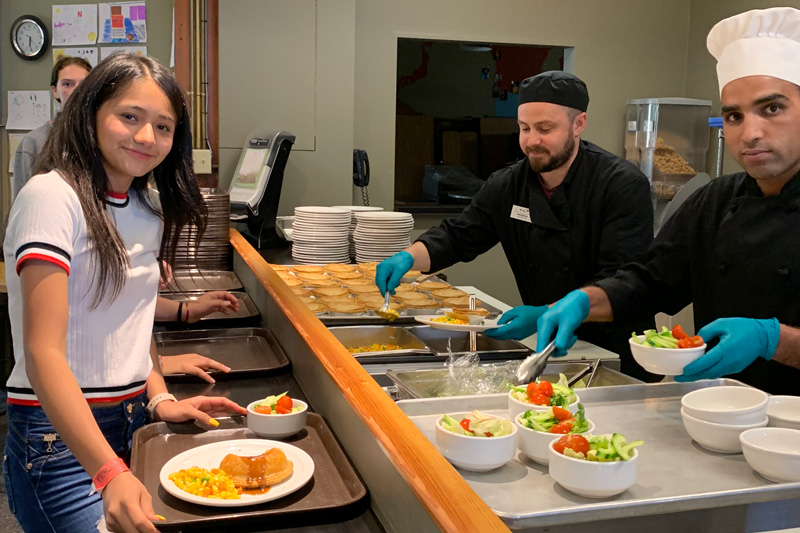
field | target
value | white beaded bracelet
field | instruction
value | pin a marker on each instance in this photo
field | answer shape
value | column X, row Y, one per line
column 157, row 399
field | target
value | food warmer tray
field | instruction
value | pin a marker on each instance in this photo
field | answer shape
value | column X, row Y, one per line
column 249, row 352
column 443, row 343
column 357, row 336
column 203, row 280
column 335, row 493
column 435, row 383
column 246, row 315
column 674, row 473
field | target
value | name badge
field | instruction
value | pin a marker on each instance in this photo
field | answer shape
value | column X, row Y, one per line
column 521, row 213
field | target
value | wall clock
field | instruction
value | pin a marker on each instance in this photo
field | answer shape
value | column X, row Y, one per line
column 29, row 37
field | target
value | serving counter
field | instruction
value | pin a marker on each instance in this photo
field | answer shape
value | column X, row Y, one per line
column 411, row 485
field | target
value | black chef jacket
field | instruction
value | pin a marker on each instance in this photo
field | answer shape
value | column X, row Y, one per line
column 734, row 253
column 598, row 219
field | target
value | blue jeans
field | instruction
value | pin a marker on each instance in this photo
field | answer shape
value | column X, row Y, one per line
column 48, row 489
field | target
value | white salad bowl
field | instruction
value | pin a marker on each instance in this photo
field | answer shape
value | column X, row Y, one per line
column 784, row 412
column 593, row 479
column 773, row 452
column 478, row 454
column 664, row 361
column 727, row 405
column 535, row 444
column 275, row 425
column 516, row 407
column 720, row 438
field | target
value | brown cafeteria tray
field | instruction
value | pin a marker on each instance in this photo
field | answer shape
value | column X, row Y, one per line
column 247, row 313
column 249, row 352
column 334, row 494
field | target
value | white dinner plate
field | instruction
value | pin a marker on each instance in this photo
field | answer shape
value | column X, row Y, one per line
column 210, row 455
column 426, row 319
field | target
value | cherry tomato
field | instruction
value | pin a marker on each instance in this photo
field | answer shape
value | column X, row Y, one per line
column 685, row 342
column 285, row 402
column 263, row 409
column 678, row 332
column 697, row 341
column 532, row 390
column 465, row 424
column 546, row 388
column 562, row 427
column 561, row 414
column 282, row 410
column 540, row 399
column 576, row 443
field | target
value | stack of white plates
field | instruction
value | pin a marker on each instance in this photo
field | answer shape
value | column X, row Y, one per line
column 379, row 235
column 320, row 235
column 353, row 210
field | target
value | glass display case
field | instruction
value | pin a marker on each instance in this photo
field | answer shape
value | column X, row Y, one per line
column 667, row 138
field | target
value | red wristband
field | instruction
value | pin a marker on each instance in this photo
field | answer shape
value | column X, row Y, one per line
column 107, row 472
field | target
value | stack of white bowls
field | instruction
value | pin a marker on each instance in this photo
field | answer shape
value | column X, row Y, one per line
column 715, row 416
column 353, row 221
column 379, row 235
column 320, row 235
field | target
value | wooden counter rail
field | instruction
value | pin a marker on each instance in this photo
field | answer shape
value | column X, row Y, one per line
column 449, row 500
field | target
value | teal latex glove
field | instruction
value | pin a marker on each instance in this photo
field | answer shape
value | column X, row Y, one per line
column 517, row 323
column 391, row 271
column 741, row 341
column 560, row 322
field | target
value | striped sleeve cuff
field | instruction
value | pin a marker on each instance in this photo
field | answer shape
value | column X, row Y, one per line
column 44, row 252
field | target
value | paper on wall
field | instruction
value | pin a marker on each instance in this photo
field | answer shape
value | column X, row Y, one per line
column 89, row 54
column 27, row 110
column 106, row 51
column 13, row 143
column 74, row 24
column 123, row 22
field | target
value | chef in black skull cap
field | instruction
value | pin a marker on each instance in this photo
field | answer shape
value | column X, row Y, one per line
column 567, row 215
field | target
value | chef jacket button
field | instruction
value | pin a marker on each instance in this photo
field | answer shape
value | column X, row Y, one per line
column 722, row 268
column 534, row 266
column 566, row 269
column 783, row 271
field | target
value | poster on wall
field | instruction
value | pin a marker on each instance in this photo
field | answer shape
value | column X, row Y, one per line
column 87, row 53
column 123, row 22
column 13, row 143
column 27, row 110
column 74, row 24
column 106, row 51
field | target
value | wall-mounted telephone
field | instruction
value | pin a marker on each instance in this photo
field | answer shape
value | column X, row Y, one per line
column 360, row 168
column 361, row 173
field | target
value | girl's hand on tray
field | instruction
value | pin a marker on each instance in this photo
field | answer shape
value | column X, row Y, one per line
column 201, row 408
column 192, row 363
column 127, row 505
column 211, row 302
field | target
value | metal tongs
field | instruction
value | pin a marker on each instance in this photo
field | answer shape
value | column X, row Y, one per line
column 533, row 366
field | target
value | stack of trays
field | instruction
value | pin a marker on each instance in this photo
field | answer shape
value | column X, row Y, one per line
column 381, row 235
column 320, row 235
column 353, row 220
column 211, row 253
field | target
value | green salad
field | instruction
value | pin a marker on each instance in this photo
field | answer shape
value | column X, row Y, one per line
column 545, row 393
column 477, row 424
column 555, row 420
column 599, row 448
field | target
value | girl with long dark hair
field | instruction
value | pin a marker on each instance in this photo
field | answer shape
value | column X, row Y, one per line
column 85, row 236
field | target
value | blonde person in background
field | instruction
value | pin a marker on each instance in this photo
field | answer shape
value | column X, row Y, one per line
column 67, row 74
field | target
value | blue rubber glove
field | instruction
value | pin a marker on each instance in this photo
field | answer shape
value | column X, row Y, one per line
column 391, row 271
column 741, row 341
column 518, row 323
column 561, row 321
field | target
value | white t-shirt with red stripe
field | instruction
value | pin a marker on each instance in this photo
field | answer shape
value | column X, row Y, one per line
column 107, row 347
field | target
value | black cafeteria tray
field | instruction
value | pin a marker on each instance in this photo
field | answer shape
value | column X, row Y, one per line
column 249, row 352
column 247, row 315
column 334, row 494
